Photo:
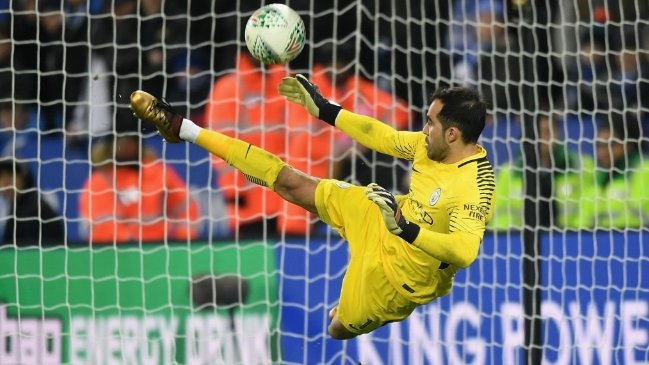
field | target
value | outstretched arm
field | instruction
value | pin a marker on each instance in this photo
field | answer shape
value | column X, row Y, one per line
column 301, row 91
column 458, row 248
column 366, row 130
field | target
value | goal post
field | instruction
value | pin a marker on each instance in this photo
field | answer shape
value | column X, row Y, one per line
column 562, row 275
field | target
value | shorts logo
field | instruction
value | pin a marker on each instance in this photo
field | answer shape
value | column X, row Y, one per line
column 342, row 185
column 434, row 197
column 362, row 326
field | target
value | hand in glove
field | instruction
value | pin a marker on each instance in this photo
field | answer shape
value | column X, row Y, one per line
column 300, row 90
column 391, row 212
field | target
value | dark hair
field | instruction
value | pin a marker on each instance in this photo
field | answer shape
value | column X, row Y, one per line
column 464, row 109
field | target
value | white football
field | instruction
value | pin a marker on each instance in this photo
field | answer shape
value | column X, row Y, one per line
column 275, row 34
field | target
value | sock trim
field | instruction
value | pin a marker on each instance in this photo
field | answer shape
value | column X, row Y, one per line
column 189, row 130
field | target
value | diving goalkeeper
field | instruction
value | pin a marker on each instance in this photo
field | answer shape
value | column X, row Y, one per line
column 405, row 249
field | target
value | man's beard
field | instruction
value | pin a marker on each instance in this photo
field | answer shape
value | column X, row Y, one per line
column 439, row 154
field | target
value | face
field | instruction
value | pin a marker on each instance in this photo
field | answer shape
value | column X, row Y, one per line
column 547, row 136
column 628, row 62
column 127, row 149
column 590, row 56
column 13, row 118
column 437, row 147
column 488, row 27
column 608, row 150
column 52, row 21
column 8, row 185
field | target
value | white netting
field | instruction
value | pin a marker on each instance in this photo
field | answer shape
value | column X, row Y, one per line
column 112, row 277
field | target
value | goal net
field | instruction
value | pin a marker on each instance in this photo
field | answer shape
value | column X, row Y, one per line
column 119, row 248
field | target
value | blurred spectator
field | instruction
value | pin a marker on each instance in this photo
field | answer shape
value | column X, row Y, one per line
column 116, row 38
column 630, row 90
column 190, row 81
column 132, row 42
column 131, row 196
column 569, row 22
column 136, row 42
column 484, row 54
column 589, row 79
column 17, row 84
column 620, row 198
column 336, row 76
column 21, row 28
column 311, row 149
column 603, row 26
column 245, row 104
column 53, row 42
column 93, row 117
column 17, row 128
column 464, row 36
column 568, row 172
column 27, row 218
column 190, row 63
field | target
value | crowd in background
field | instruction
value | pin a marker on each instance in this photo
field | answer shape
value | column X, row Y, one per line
column 67, row 68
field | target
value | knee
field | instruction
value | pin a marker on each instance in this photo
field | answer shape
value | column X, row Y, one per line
column 339, row 332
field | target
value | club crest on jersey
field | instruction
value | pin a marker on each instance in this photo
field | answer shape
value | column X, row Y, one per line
column 434, row 197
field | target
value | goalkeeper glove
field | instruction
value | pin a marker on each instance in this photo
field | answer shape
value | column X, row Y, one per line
column 300, row 90
column 394, row 220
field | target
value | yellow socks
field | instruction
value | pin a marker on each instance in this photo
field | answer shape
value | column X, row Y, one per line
column 259, row 166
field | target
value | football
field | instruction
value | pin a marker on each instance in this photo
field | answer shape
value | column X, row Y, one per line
column 275, row 34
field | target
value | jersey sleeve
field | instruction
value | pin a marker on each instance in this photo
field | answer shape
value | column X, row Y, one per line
column 458, row 248
column 379, row 136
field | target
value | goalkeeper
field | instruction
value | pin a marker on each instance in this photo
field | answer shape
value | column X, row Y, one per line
column 404, row 250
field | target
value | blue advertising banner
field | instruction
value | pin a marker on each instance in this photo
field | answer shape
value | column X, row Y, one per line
column 595, row 306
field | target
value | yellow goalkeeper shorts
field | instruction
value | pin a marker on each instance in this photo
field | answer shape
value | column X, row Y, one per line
column 367, row 299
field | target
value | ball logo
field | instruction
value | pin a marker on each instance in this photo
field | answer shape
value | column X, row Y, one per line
column 275, row 34
column 434, row 197
column 297, row 42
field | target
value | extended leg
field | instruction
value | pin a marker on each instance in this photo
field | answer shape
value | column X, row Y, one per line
column 258, row 165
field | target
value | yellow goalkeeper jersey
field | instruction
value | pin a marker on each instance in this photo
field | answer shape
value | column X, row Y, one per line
column 452, row 204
